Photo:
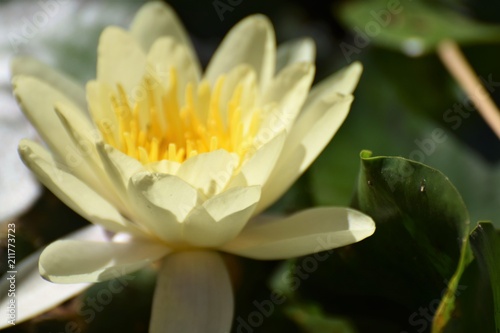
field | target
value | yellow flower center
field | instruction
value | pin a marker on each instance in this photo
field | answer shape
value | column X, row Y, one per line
column 156, row 126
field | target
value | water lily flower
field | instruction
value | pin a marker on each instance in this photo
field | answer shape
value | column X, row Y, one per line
column 180, row 165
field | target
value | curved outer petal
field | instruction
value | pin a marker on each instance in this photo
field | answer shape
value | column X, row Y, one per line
column 155, row 20
column 166, row 54
column 193, row 295
column 74, row 193
column 245, row 76
column 34, row 295
column 342, row 82
column 251, row 42
column 32, row 67
column 256, row 170
column 294, row 51
column 86, row 137
column 121, row 60
column 101, row 108
column 37, row 100
column 72, row 261
column 119, row 165
column 83, row 134
column 309, row 136
column 306, row 232
column 19, row 188
column 162, row 202
column 221, row 218
column 119, row 168
column 289, row 90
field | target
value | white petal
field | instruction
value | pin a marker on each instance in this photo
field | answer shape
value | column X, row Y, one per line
column 294, row 51
column 119, row 167
column 193, row 295
column 31, row 67
column 37, row 100
column 257, row 169
column 18, row 189
column 342, row 82
column 306, row 232
column 155, row 20
column 120, row 60
column 308, row 137
column 316, row 126
column 83, row 132
column 100, row 107
column 250, row 42
column 34, row 295
column 162, row 202
column 167, row 53
column 245, row 76
column 222, row 217
column 210, row 172
column 85, row 136
column 289, row 90
column 73, row 192
column 72, row 261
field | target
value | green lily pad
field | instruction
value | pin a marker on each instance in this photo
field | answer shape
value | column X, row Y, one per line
column 412, row 27
column 414, row 259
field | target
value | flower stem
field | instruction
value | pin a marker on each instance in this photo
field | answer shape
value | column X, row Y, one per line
column 460, row 69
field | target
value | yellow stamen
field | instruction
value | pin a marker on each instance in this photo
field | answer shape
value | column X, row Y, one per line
column 156, row 126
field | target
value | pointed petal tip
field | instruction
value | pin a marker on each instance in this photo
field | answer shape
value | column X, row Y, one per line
column 363, row 225
column 25, row 150
column 23, row 145
column 309, row 41
column 18, row 80
column 112, row 29
column 358, row 65
column 260, row 21
column 72, row 261
column 110, row 34
column 356, row 68
column 155, row 5
column 153, row 10
column 310, row 44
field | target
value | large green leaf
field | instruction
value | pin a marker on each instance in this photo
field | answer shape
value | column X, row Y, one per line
column 416, row 256
column 423, row 205
column 413, row 27
column 485, row 243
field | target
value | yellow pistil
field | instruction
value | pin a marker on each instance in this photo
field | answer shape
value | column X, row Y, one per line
column 156, row 126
